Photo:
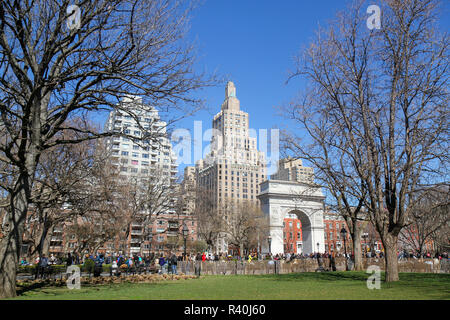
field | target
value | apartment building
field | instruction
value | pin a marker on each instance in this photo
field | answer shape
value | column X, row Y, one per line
column 144, row 153
column 290, row 169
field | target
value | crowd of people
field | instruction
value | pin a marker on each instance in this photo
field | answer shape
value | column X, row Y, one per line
column 167, row 262
column 425, row 255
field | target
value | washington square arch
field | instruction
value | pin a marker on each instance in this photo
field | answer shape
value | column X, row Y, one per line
column 281, row 199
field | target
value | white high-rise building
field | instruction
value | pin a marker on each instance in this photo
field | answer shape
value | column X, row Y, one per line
column 138, row 155
column 146, row 153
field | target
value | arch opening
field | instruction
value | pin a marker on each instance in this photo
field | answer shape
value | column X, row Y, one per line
column 306, row 246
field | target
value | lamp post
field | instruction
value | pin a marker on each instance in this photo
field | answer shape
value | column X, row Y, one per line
column 185, row 234
column 318, row 245
column 269, row 239
column 344, row 233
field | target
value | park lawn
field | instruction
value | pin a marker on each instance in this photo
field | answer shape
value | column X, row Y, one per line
column 295, row 286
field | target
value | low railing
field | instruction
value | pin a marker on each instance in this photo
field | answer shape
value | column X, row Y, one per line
column 254, row 267
column 304, row 265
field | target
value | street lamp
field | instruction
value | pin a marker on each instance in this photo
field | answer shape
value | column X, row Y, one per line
column 318, row 244
column 185, row 234
column 269, row 239
column 344, row 233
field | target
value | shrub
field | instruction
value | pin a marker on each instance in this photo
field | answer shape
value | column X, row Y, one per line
column 88, row 266
column 56, row 268
column 106, row 268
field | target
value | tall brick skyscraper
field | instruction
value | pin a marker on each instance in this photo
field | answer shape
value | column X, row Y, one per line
column 234, row 168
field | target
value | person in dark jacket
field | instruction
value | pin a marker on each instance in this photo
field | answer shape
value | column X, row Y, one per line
column 43, row 265
column 98, row 265
column 174, row 261
column 162, row 262
column 198, row 264
column 69, row 259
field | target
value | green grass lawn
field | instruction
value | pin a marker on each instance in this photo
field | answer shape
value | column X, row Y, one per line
column 336, row 285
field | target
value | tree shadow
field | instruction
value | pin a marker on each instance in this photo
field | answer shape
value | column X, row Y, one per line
column 319, row 276
column 21, row 289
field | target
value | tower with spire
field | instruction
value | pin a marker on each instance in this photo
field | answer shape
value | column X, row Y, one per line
column 234, row 168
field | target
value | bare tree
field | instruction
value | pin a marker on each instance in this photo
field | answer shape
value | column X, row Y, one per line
column 51, row 70
column 383, row 96
column 246, row 224
column 210, row 220
column 149, row 196
column 429, row 216
column 333, row 173
column 99, row 210
column 60, row 176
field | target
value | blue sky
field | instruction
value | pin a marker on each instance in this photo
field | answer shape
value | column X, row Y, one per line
column 252, row 43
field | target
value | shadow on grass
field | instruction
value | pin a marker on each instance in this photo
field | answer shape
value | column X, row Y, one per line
column 21, row 289
column 359, row 276
column 319, row 276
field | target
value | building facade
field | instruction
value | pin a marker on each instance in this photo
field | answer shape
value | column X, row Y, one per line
column 234, row 168
column 290, row 169
column 146, row 153
column 292, row 235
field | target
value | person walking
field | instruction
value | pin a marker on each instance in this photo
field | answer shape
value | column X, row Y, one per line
column 43, row 265
column 174, row 260
column 333, row 261
column 198, row 264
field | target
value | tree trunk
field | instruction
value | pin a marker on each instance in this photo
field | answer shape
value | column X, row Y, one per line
column 357, row 251
column 10, row 244
column 390, row 247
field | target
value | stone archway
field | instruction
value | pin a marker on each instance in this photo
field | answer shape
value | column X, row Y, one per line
column 279, row 199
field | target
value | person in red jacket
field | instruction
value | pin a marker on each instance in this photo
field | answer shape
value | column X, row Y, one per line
column 203, row 257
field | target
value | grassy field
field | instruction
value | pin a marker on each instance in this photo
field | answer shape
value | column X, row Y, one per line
column 337, row 285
